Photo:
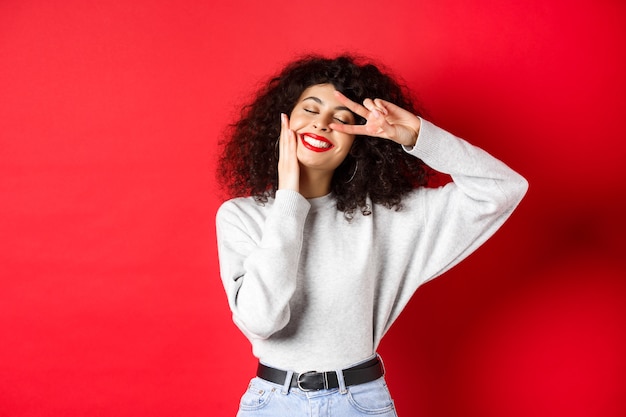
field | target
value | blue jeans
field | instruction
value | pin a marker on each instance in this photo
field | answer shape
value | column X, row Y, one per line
column 266, row 399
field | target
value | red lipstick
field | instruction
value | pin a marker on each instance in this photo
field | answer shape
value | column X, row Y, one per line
column 317, row 144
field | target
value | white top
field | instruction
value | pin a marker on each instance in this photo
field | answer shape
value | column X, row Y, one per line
column 312, row 291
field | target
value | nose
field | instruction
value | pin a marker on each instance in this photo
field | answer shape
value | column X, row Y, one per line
column 321, row 123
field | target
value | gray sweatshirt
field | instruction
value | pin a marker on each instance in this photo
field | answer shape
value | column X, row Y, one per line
column 312, row 291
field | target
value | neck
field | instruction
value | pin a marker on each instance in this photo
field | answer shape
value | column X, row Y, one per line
column 314, row 183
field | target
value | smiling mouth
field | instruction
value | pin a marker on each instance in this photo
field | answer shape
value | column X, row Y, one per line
column 316, row 143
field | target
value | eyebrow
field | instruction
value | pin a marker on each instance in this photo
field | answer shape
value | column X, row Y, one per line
column 319, row 101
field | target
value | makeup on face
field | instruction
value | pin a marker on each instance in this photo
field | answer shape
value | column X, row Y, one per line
column 319, row 145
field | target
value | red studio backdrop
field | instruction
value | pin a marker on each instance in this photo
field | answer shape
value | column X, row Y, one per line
column 110, row 113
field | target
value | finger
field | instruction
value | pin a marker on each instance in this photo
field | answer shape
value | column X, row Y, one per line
column 351, row 105
column 285, row 140
column 349, row 129
column 390, row 107
column 284, row 123
column 290, row 146
column 375, row 107
column 381, row 105
column 368, row 103
column 284, row 126
column 281, row 138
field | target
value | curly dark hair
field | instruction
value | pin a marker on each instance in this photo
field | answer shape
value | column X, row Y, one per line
column 378, row 168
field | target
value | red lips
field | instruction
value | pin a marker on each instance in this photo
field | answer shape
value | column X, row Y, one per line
column 315, row 142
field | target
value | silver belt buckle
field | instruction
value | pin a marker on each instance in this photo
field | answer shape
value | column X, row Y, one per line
column 309, row 373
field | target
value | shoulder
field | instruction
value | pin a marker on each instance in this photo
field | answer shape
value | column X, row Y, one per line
column 285, row 204
column 242, row 208
column 243, row 203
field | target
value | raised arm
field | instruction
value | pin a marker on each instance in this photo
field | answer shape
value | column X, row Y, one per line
column 462, row 215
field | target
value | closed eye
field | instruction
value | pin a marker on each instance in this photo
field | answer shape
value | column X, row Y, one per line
column 343, row 120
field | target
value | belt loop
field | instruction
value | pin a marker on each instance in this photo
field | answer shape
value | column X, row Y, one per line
column 287, row 384
column 342, row 383
column 382, row 364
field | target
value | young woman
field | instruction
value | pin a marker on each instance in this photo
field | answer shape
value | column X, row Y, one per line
column 332, row 228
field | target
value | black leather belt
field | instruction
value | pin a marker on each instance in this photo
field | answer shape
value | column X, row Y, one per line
column 315, row 381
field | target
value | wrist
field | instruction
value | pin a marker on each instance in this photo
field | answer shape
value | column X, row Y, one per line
column 415, row 126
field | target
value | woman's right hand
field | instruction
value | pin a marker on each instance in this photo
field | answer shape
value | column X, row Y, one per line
column 288, row 167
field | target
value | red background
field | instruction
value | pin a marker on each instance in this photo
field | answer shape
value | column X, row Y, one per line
column 110, row 300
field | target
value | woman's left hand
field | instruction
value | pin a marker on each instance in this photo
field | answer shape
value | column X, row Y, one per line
column 383, row 120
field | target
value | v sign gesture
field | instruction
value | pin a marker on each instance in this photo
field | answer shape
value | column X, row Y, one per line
column 384, row 120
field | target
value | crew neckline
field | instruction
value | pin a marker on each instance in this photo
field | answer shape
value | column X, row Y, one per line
column 321, row 202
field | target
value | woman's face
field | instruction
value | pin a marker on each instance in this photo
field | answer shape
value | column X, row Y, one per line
column 320, row 147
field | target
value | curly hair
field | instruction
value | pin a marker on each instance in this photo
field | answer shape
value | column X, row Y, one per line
column 374, row 167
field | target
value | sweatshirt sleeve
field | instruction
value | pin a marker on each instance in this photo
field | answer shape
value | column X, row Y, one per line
column 259, row 255
column 462, row 215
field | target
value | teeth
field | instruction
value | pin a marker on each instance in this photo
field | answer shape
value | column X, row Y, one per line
column 316, row 143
